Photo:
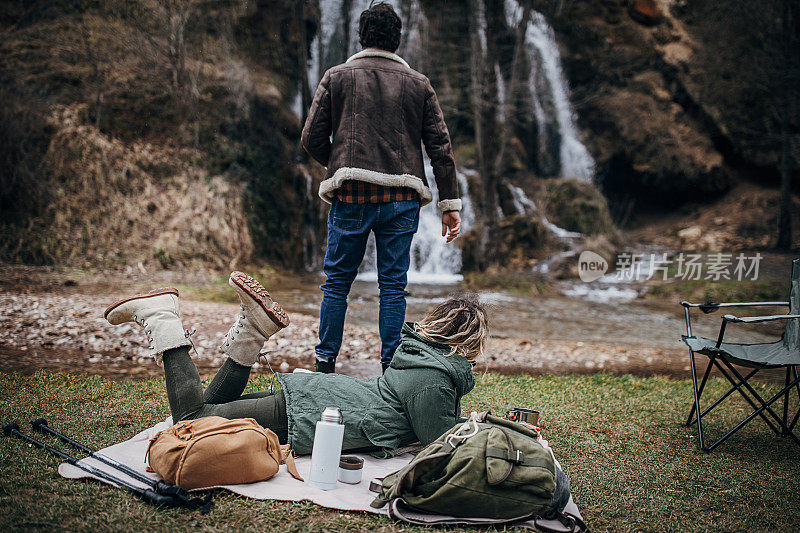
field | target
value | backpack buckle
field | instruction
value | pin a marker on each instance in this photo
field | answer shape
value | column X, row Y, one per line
column 519, row 457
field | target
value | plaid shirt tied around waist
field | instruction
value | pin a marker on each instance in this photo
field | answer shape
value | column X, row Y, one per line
column 362, row 192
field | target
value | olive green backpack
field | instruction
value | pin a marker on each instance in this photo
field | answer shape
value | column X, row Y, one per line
column 486, row 468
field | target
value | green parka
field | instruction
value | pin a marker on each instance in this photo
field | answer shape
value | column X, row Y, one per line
column 417, row 399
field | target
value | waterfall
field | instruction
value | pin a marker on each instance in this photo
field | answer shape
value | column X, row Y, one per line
column 549, row 89
column 525, row 206
column 312, row 251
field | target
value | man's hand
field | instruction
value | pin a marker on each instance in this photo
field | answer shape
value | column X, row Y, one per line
column 451, row 224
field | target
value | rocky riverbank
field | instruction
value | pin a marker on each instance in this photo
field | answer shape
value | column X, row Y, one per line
column 68, row 333
column 52, row 319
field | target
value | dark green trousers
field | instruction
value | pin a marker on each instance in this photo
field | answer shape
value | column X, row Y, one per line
column 223, row 396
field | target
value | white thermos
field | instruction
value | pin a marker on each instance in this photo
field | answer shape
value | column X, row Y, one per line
column 327, row 449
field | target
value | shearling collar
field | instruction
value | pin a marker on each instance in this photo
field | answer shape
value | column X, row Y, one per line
column 377, row 52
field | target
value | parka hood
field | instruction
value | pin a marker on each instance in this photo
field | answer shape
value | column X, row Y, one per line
column 417, row 352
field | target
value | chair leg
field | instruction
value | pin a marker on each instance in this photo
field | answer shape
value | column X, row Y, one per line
column 690, row 419
column 755, row 395
column 767, row 421
column 696, row 406
column 786, row 404
column 797, row 415
column 794, row 370
column 722, row 398
column 755, row 413
column 794, row 420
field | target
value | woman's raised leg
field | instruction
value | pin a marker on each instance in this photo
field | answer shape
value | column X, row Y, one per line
column 259, row 319
column 185, row 395
column 158, row 313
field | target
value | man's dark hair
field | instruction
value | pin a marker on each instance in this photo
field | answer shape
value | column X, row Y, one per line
column 379, row 27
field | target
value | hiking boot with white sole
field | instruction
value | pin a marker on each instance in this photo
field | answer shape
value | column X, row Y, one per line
column 157, row 312
column 260, row 319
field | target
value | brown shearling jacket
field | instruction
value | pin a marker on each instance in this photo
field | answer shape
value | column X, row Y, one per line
column 367, row 122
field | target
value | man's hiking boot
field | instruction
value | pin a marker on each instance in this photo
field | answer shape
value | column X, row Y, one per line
column 259, row 320
column 157, row 312
column 326, row 367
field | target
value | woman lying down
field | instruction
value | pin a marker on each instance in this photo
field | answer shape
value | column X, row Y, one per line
column 417, row 399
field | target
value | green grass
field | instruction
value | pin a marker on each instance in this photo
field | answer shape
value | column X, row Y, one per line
column 210, row 292
column 633, row 467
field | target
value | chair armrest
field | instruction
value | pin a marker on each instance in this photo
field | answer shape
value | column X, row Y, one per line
column 735, row 304
column 754, row 319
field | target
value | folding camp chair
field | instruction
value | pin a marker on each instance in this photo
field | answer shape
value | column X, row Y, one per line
column 784, row 353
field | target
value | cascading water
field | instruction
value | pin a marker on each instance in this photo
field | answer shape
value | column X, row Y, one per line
column 525, row 206
column 312, row 251
column 549, row 90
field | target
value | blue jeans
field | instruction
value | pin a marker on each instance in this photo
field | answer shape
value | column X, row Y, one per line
column 349, row 225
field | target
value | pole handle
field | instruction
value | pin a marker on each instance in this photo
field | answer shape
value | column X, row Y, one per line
column 157, row 499
column 40, row 425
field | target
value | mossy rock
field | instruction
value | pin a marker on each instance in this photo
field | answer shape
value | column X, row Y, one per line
column 577, row 205
column 521, row 241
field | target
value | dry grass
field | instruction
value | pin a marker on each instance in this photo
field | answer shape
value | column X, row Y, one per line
column 119, row 204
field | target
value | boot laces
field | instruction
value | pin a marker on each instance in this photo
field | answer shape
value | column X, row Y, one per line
column 236, row 327
column 188, row 334
column 265, row 357
column 142, row 322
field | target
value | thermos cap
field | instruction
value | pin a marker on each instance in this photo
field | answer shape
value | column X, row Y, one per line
column 332, row 415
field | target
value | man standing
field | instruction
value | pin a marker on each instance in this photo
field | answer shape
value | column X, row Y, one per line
column 366, row 124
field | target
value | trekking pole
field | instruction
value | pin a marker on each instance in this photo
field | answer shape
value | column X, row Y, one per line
column 40, row 425
column 147, row 495
column 161, row 487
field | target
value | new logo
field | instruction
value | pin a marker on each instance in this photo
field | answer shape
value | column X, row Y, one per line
column 591, row 266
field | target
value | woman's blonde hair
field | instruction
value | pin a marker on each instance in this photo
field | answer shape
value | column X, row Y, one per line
column 460, row 323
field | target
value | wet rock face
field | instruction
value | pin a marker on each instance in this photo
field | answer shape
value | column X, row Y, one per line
column 666, row 96
column 579, row 206
column 649, row 147
column 522, row 241
column 661, row 103
column 654, row 150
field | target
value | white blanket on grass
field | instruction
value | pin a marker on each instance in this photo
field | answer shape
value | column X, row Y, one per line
column 280, row 487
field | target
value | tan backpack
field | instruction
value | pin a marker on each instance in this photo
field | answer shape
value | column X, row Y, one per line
column 213, row 451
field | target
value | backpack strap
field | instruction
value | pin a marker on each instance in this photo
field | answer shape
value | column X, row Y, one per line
column 571, row 522
column 287, row 458
column 400, row 510
column 516, row 457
